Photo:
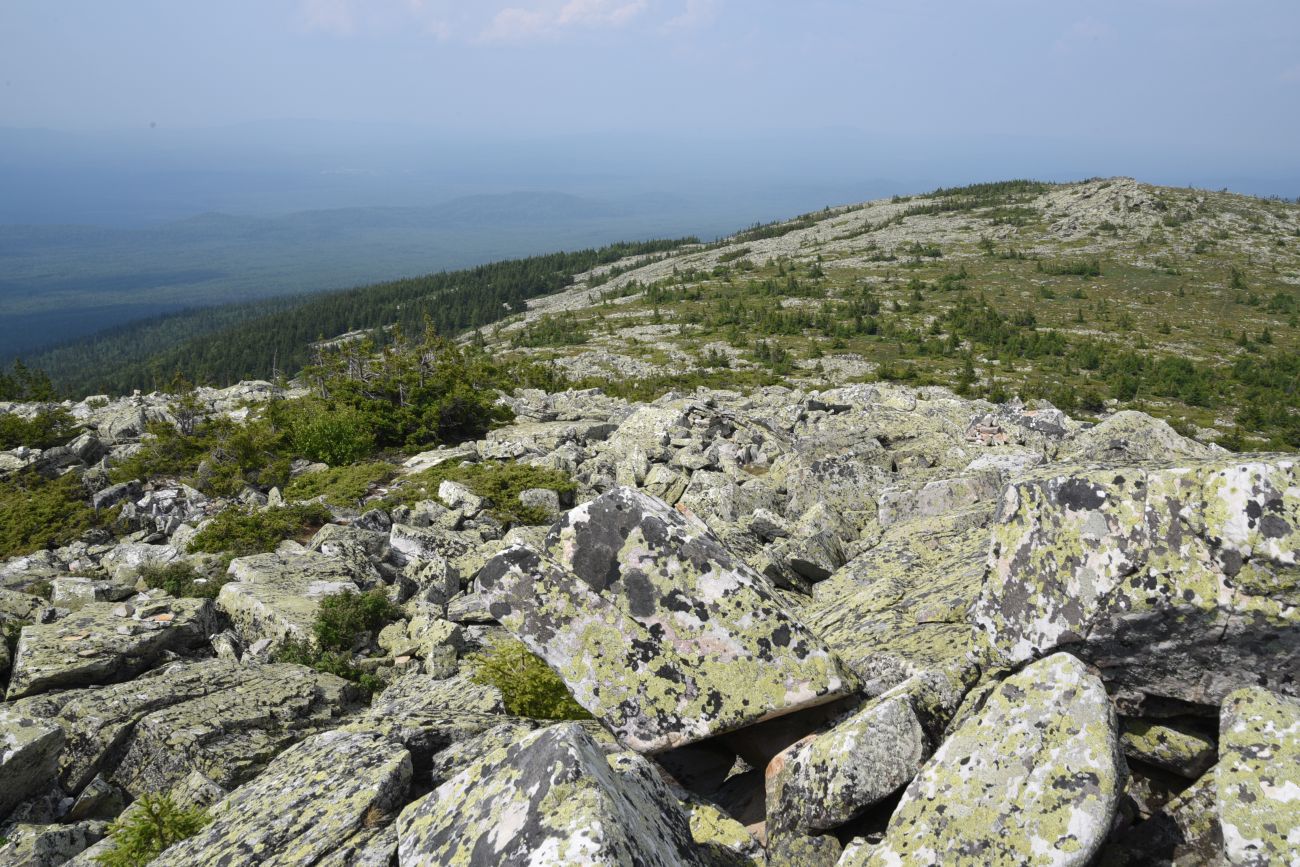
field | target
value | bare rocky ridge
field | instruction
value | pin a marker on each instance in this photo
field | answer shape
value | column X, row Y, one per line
column 866, row 625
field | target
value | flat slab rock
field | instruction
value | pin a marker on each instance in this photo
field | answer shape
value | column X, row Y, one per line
column 309, row 801
column 656, row 628
column 551, row 798
column 96, row 645
column 1257, row 780
column 277, row 595
column 1034, row 778
column 1181, row 582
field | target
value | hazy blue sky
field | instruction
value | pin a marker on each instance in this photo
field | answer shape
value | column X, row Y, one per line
column 1208, row 74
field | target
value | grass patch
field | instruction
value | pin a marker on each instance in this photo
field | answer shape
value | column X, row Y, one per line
column 500, row 482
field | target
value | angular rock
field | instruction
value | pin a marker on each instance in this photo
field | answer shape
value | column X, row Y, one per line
column 73, row 593
column 656, row 628
column 276, row 596
column 1184, row 833
column 1176, row 748
column 1257, row 780
column 95, row 645
column 311, row 799
column 1134, row 437
column 551, row 798
column 29, row 753
column 825, row 780
column 1033, row 779
column 31, row 845
column 1180, row 583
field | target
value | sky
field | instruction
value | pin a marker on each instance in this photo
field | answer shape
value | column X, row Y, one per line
column 1210, row 86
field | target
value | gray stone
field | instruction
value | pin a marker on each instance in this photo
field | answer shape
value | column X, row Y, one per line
column 656, row 628
column 310, row 800
column 29, row 752
column 1164, row 579
column 94, row 645
column 1033, row 779
column 551, row 798
column 1257, row 780
column 278, row 595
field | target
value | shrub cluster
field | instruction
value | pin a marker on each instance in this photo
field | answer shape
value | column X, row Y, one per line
column 343, row 619
column 528, row 685
column 154, row 823
column 180, row 578
column 238, row 533
column 36, row 512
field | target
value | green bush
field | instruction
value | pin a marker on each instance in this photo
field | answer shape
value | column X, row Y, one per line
column 334, row 435
column 343, row 617
column 340, row 486
column 240, row 533
column 528, row 685
column 180, row 578
column 50, row 427
column 302, row 652
column 37, row 513
column 142, row 833
column 501, row 482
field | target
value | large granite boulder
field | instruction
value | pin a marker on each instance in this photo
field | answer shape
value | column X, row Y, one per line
column 276, row 596
column 1034, row 778
column 29, row 752
column 1257, row 780
column 104, row 643
column 656, row 628
column 550, row 798
column 1179, row 582
column 308, row 803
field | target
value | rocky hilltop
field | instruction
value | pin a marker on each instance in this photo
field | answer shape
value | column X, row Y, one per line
column 863, row 625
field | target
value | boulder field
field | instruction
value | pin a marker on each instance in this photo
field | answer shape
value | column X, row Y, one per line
column 865, row 626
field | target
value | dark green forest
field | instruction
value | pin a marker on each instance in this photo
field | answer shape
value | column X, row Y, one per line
column 223, row 345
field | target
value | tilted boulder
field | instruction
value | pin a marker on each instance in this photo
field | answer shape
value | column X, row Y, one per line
column 551, row 798
column 29, row 752
column 1257, row 780
column 656, row 628
column 1181, row 582
column 310, row 801
column 1032, row 779
column 98, row 644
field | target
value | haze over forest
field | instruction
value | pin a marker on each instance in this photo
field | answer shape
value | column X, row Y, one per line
column 157, row 158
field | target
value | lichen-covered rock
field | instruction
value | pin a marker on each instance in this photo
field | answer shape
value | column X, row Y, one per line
column 97, row 644
column 1185, row 832
column 311, row 799
column 277, row 596
column 216, row 717
column 1134, row 437
column 1178, row 748
column 32, row 845
column 1180, row 582
column 1032, row 779
column 29, row 752
column 1257, row 780
column 901, row 608
column 722, row 841
column 656, row 628
column 74, row 592
column 551, row 798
